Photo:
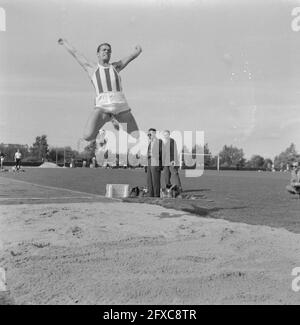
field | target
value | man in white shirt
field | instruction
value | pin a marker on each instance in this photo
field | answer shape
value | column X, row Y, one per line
column 1, row 159
column 18, row 157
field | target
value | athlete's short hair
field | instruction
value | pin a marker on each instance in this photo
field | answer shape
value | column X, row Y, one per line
column 102, row 44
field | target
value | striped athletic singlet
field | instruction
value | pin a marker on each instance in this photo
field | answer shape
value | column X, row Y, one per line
column 109, row 95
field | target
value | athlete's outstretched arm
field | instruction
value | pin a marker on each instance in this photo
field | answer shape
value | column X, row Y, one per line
column 81, row 59
column 120, row 65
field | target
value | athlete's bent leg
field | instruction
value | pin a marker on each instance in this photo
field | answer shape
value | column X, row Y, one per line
column 132, row 127
column 95, row 122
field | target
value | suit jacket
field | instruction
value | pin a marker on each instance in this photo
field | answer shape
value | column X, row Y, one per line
column 155, row 153
column 170, row 153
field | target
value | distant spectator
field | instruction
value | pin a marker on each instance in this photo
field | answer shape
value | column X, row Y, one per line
column 273, row 168
column 72, row 163
column 2, row 156
column 94, row 162
column 18, row 157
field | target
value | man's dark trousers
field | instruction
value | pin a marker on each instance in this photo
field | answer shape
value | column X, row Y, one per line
column 171, row 155
column 154, row 169
column 168, row 170
column 153, row 180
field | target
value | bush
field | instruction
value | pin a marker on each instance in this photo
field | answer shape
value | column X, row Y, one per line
column 31, row 159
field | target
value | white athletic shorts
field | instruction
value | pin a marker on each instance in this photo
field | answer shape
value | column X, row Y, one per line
column 112, row 102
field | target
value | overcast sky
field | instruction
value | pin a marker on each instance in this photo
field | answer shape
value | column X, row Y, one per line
column 229, row 68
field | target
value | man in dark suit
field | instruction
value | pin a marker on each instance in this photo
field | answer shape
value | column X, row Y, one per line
column 171, row 162
column 155, row 160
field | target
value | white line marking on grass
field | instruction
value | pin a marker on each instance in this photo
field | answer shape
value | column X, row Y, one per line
column 62, row 188
column 46, row 198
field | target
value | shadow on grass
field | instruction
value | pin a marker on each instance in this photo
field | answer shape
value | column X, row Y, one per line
column 181, row 204
column 199, row 211
column 197, row 190
column 204, row 212
column 165, row 215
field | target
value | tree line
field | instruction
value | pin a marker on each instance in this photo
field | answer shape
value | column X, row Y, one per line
column 233, row 157
column 229, row 157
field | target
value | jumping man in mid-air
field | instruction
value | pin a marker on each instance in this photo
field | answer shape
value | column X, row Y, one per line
column 110, row 103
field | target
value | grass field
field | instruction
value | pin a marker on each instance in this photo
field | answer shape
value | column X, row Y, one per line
column 63, row 242
column 249, row 197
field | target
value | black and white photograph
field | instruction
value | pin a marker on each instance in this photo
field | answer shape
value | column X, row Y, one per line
column 150, row 154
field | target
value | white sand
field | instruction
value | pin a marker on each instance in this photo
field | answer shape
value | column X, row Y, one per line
column 125, row 253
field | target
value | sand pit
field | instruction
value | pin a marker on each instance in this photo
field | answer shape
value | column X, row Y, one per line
column 128, row 253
